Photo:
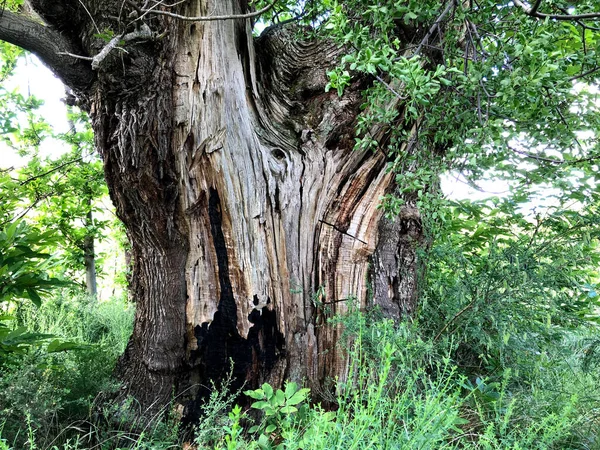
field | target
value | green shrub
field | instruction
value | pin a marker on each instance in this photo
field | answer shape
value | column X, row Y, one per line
column 49, row 390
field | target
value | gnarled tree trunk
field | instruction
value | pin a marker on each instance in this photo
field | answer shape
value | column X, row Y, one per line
column 251, row 218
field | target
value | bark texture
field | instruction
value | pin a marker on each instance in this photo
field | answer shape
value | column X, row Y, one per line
column 251, row 219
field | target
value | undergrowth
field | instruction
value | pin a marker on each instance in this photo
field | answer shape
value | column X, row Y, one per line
column 502, row 354
column 404, row 391
column 42, row 393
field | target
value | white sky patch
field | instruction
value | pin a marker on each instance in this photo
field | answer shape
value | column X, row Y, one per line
column 456, row 187
column 31, row 77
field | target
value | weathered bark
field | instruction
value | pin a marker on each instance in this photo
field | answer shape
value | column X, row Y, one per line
column 251, row 218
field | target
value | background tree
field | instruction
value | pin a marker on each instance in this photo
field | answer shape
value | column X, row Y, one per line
column 248, row 180
column 58, row 193
column 65, row 194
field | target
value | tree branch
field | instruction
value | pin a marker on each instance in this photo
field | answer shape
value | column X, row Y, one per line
column 210, row 18
column 557, row 162
column 143, row 33
column 435, row 26
column 532, row 11
column 50, row 46
column 585, row 74
column 48, row 172
column 535, row 6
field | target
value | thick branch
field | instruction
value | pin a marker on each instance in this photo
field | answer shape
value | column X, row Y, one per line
column 535, row 6
column 50, row 46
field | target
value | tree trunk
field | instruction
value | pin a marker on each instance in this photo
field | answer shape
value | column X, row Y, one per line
column 89, row 255
column 251, row 218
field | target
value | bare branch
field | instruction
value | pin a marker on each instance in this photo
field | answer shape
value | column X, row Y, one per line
column 390, row 88
column 212, row 18
column 530, row 11
column 54, row 169
column 435, row 26
column 585, row 74
column 49, row 45
column 73, row 55
column 90, row 16
column 557, row 162
column 144, row 32
column 451, row 321
column 536, row 157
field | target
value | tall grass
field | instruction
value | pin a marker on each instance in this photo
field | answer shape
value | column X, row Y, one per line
column 405, row 390
column 40, row 392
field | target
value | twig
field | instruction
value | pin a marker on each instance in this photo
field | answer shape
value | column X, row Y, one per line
column 73, row 55
column 557, row 162
column 144, row 11
column 451, row 321
column 390, row 88
column 172, row 5
column 343, row 232
column 35, row 177
column 212, row 18
column 564, row 121
column 144, row 32
column 434, row 27
column 568, row 17
column 535, row 157
column 91, row 17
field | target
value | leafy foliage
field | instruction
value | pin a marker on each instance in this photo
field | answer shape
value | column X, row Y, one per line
column 22, row 264
column 49, row 389
column 22, row 275
column 280, row 408
column 64, row 193
column 499, row 282
column 477, row 87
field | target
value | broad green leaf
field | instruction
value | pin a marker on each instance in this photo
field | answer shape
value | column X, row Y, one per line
column 298, row 397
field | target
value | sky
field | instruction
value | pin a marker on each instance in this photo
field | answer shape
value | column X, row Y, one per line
column 33, row 78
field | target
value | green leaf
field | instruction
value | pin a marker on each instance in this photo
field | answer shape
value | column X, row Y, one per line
column 288, row 409
column 256, row 394
column 61, row 346
column 263, row 442
column 260, row 405
column 35, row 298
column 279, row 398
column 290, row 389
column 268, row 390
column 298, row 397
